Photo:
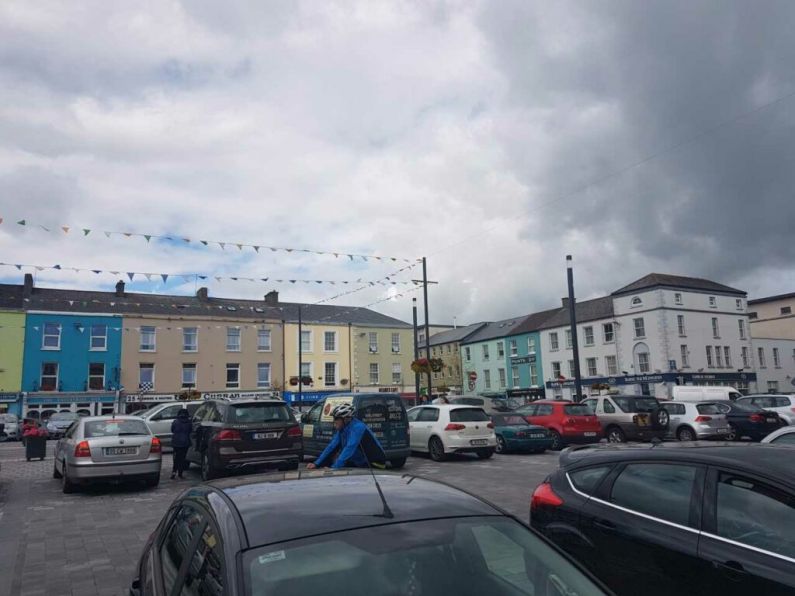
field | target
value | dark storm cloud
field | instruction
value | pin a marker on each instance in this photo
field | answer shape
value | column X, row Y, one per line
column 720, row 205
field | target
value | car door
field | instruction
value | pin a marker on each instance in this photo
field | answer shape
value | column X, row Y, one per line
column 748, row 539
column 422, row 430
column 311, row 428
column 194, row 453
column 644, row 524
column 412, row 418
column 543, row 416
column 608, row 412
column 160, row 423
column 677, row 413
column 66, row 444
column 205, row 572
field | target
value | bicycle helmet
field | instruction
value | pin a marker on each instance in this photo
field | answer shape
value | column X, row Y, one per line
column 342, row 411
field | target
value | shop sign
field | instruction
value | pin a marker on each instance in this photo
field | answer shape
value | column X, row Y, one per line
column 530, row 359
column 9, row 397
column 150, row 397
column 242, row 394
column 68, row 398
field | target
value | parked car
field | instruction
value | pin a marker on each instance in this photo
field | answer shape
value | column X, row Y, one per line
column 159, row 417
column 103, row 448
column 748, row 420
column 490, row 404
column 783, row 405
column 440, row 430
column 568, row 423
column 11, row 427
column 782, row 436
column 704, row 393
column 324, row 532
column 385, row 415
column 514, row 433
column 59, row 422
column 243, row 435
column 686, row 520
column 630, row 417
column 695, row 420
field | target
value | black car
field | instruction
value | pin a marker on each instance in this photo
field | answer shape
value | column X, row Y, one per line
column 330, row 532
column 748, row 420
column 696, row 519
column 244, row 434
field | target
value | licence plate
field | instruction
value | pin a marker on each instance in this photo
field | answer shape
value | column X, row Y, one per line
column 723, row 431
column 537, row 436
column 478, row 442
column 258, row 436
column 772, row 420
column 121, row 450
column 589, row 434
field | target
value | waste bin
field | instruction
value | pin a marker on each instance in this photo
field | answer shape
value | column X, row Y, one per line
column 35, row 447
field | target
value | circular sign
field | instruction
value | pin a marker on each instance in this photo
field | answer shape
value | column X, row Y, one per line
column 472, row 385
column 473, row 376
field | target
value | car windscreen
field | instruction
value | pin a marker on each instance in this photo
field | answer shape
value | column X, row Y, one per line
column 114, row 428
column 745, row 407
column 468, row 415
column 468, row 401
column 64, row 416
column 465, row 556
column 256, row 413
column 636, row 404
column 707, row 409
column 577, row 410
column 510, row 421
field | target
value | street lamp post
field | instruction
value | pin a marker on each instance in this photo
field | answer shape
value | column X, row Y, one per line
column 573, row 327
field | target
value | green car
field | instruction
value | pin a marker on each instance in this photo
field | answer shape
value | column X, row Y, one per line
column 514, row 433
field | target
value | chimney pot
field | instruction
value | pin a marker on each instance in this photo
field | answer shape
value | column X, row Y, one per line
column 201, row 294
column 272, row 298
column 565, row 302
column 120, row 289
column 27, row 288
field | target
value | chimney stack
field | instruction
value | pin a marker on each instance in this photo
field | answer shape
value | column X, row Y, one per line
column 565, row 302
column 272, row 298
column 27, row 288
column 120, row 289
column 201, row 294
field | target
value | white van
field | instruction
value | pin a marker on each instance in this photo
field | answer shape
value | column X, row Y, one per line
column 704, row 393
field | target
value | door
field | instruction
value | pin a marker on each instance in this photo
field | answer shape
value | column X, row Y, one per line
column 311, row 430
column 748, row 543
column 643, row 523
column 676, row 412
column 422, row 430
column 194, row 451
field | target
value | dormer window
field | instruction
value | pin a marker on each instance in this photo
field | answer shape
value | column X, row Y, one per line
column 636, row 301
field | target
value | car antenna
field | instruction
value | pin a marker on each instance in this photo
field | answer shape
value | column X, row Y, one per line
column 387, row 512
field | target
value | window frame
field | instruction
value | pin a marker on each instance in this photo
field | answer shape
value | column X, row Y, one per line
column 589, row 368
column 260, row 332
column 336, row 347
column 90, row 376
column 644, row 369
column 45, row 335
column 263, row 366
column 607, row 365
column 395, row 339
column 104, row 337
column 232, row 328
column 57, row 375
column 149, row 329
column 185, row 346
column 588, row 331
column 189, row 366
column 334, row 375
column 513, row 347
column 678, row 298
column 377, row 373
column 715, row 328
column 605, row 333
column 230, row 366
column 372, row 342
column 681, row 326
column 515, row 378
column 635, row 329
column 554, row 341
column 502, row 378
column 399, row 372
column 149, row 366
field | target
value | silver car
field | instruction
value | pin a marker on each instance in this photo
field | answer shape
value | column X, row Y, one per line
column 783, row 405
column 159, row 418
column 782, row 436
column 59, row 422
column 107, row 448
column 696, row 420
column 11, row 427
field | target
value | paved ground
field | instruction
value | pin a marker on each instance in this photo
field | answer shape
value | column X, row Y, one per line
column 86, row 544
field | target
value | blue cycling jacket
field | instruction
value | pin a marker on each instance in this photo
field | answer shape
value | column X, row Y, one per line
column 348, row 441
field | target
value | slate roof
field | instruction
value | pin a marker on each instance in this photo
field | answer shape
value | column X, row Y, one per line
column 454, row 335
column 653, row 280
column 495, row 329
column 534, row 321
column 771, row 298
column 132, row 304
column 587, row 310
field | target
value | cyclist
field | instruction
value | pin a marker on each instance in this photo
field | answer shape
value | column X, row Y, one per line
column 353, row 440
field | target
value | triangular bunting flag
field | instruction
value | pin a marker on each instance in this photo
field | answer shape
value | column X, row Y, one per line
column 256, row 248
column 222, row 245
column 292, row 281
column 18, row 267
column 233, row 278
column 218, row 279
column 203, row 242
column 393, row 258
column 71, row 302
column 39, row 268
column 115, row 272
column 56, row 266
column 164, row 276
column 107, row 234
column 36, row 327
column 186, row 239
column 97, row 271
column 336, row 255
column 264, row 279
column 202, row 277
column 317, row 281
column 239, row 247
column 128, row 234
column 86, row 231
column 350, row 257
column 289, row 249
column 113, row 304
column 130, row 275
column 21, row 222
column 44, row 228
column 273, row 249
column 148, row 237
column 186, row 277
column 148, row 276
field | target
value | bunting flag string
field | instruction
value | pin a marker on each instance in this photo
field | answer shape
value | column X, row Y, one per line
column 384, row 281
column 221, row 244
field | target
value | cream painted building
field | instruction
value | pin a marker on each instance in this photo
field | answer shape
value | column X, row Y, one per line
column 325, row 356
column 382, row 358
column 772, row 317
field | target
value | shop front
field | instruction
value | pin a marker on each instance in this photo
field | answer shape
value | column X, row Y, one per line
column 11, row 403
column 660, row 384
column 307, row 398
column 41, row 405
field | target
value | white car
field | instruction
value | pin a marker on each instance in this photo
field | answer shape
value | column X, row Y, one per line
column 783, row 405
column 782, row 436
column 443, row 429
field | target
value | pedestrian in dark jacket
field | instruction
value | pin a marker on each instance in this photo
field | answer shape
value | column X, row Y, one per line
column 180, row 441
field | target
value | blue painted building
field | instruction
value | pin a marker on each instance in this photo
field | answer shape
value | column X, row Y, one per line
column 523, row 357
column 71, row 363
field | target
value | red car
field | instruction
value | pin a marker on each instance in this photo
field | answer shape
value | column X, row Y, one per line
column 567, row 422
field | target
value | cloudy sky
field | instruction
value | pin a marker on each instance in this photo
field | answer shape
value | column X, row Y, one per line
column 492, row 137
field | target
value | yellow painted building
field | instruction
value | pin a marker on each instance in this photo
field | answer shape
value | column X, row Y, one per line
column 325, row 356
column 12, row 344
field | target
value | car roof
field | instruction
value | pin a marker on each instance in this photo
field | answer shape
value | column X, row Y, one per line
column 249, row 401
column 110, row 417
column 764, row 459
column 291, row 505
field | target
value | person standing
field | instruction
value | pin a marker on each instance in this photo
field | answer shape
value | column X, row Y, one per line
column 180, row 441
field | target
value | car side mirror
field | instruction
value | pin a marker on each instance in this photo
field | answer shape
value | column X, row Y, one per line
column 135, row 588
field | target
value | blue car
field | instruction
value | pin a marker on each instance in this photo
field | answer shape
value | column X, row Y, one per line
column 514, row 433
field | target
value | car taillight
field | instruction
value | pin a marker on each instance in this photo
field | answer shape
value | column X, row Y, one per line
column 490, row 425
column 703, row 418
column 544, row 496
column 294, row 432
column 228, row 435
column 756, row 418
column 82, row 449
column 453, row 426
column 155, row 447
column 793, row 409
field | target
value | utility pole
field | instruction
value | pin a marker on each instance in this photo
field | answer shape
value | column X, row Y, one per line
column 416, row 353
column 300, row 365
column 573, row 326
column 427, row 323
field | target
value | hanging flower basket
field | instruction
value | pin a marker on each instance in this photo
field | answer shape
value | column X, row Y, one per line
column 343, row 382
column 437, row 364
column 294, row 381
column 600, row 387
column 189, row 395
column 307, row 380
column 421, row 366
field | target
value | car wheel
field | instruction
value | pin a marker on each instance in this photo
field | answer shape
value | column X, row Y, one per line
column 67, row 486
column 436, row 449
column 616, row 435
column 557, row 440
column 208, row 472
column 501, row 446
column 397, row 463
column 55, row 473
column 485, row 453
column 686, row 434
column 661, row 418
column 733, row 434
column 153, row 480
